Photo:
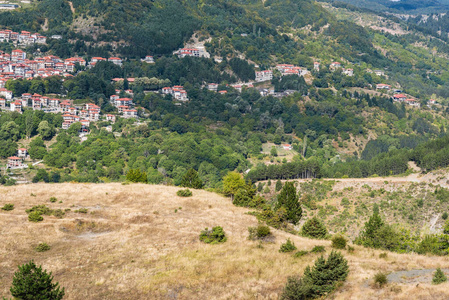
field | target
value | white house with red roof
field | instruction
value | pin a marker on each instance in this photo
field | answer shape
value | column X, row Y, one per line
column 15, row 162
column 130, row 113
column 16, row 106
column 316, row 66
column 399, row 97
column 22, row 153
column 287, row 147
column 115, row 60
column 2, row 103
column 5, row 93
column 18, row 55
column 335, row 65
column 188, row 52
column 110, row 118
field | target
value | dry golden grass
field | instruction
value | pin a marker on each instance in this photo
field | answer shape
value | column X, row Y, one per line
column 133, row 245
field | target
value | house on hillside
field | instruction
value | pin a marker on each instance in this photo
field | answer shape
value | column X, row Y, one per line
column 264, row 75
column 22, row 153
column 15, row 162
column 287, row 147
column 399, row 97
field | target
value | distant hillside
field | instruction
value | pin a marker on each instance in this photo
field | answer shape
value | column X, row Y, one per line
column 401, row 6
column 159, row 27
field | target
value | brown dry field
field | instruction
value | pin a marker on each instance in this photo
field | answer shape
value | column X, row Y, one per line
column 133, row 245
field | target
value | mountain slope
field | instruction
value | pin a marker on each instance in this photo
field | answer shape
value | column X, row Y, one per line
column 141, row 241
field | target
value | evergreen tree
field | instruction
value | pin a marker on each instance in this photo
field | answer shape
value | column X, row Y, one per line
column 372, row 226
column 288, row 198
column 33, row 283
column 192, row 180
column 314, row 228
column 278, row 185
column 324, row 275
column 439, row 277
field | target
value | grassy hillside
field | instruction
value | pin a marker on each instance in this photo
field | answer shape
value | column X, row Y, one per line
column 141, row 241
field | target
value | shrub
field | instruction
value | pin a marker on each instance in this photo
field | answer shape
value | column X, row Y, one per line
column 214, row 236
column 438, row 277
column 319, row 280
column 259, row 233
column 318, row 249
column 300, row 253
column 58, row 213
column 444, row 216
column 192, row 180
column 351, row 249
column 288, row 246
column 8, row 207
column 296, row 289
column 338, row 242
column 383, row 255
column 40, row 209
column 380, row 279
column 53, row 199
column 31, row 282
column 35, row 217
column 314, row 228
column 135, row 175
column 184, row 193
column 82, row 210
column 42, row 247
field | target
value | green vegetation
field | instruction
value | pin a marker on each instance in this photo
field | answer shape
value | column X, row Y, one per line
column 53, row 199
column 136, row 176
column 339, row 242
column 261, row 232
column 288, row 199
column 31, row 282
column 288, row 246
column 319, row 280
column 300, row 253
column 438, row 277
column 214, row 236
column 380, row 279
column 184, row 193
column 42, row 247
column 314, row 228
column 318, row 249
column 8, row 207
column 35, row 217
column 192, row 180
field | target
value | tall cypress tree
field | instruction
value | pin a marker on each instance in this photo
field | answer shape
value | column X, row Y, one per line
column 288, row 198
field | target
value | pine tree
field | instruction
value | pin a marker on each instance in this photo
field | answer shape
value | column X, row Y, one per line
column 278, row 186
column 288, row 198
column 314, row 228
column 33, row 283
column 324, row 275
column 369, row 235
column 191, row 180
column 439, row 277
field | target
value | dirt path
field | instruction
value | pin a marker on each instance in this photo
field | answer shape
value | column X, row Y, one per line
column 414, row 276
column 45, row 26
column 71, row 7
